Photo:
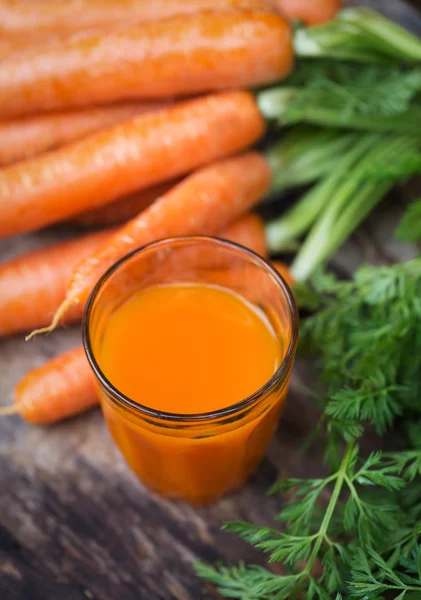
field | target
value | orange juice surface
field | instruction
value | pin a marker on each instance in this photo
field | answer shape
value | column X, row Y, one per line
column 188, row 348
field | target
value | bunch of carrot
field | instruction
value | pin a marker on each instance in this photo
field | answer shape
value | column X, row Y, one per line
column 132, row 114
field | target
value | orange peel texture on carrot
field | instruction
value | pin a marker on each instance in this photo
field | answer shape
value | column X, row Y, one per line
column 192, row 54
column 284, row 271
column 43, row 17
column 248, row 231
column 62, row 387
column 202, row 204
column 58, row 389
column 22, row 138
column 124, row 209
column 311, row 12
column 33, row 285
column 144, row 151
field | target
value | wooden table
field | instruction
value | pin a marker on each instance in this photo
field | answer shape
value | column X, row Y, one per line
column 75, row 523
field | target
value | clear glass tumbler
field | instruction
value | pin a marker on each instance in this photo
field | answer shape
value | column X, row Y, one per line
column 195, row 457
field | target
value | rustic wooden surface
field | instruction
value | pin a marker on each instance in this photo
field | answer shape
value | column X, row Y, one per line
column 75, row 523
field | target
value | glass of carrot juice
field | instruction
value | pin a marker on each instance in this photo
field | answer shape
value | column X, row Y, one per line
column 192, row 342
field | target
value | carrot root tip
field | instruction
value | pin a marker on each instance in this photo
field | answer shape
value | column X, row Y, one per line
column 64, row 306
column 13, row 409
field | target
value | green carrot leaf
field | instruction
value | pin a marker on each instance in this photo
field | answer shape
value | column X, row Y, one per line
column 409, row 229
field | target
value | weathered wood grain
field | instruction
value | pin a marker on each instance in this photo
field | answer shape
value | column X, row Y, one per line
column 75, row 524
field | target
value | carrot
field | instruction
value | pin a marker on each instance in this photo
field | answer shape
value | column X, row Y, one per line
column 8, row 46
column 203, row 203
column 63, row 386
column 12, row 44
column 311, row 12
column 136, row 154
column 191, row 54
column 22, row 138
column 33, row 285
column 124, row 209
column 60, row 388
column 249, row 231
column 43, row 16
column 284, row 271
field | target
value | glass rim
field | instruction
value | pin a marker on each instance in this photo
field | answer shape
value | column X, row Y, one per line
column 250, row 400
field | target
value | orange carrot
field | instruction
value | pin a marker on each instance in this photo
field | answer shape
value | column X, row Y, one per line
column 249, row 231
column 8, row 46
column 23, row 138
column 63, row 386
column 191, row 54
column 311, row 12
column 33, row 285
column 122, row 210
column 203, row 203
column 285, row 271
column 60, row 388
column 26, row 25
column 136, row 154
column 44, row 16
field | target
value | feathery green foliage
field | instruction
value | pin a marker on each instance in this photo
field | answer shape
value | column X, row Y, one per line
column 355, row 533
column 345, row 95
column 409, row 229
column 365, row 537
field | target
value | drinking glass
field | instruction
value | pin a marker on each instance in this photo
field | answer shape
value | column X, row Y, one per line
column 194, row 457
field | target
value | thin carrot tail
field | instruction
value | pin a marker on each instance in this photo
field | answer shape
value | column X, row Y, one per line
column 13, row 409
column 62, row 309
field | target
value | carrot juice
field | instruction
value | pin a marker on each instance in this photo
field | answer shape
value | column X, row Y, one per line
column 214, row 347
column 188, row 369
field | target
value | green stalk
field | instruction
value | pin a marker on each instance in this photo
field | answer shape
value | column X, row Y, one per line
column 307, row 161
column 367, row 199
column 386, row 35
column 326, row 41
column 351, row 203
column 281, row 232
column 284, row 105
column 358, row 34
column 297, row 141
column 301, row 138
column 330, row 510
column 329, row 234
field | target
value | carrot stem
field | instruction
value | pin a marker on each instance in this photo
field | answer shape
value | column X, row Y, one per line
column 280, row 233
column 304, row 155
column 358, row 34
column 349, row 204
column 288, row 105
